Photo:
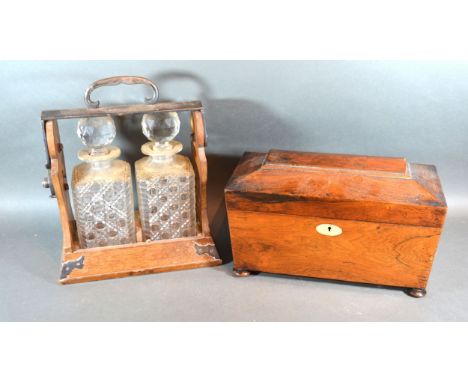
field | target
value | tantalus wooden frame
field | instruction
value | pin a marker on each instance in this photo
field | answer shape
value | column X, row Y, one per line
column 79, row 265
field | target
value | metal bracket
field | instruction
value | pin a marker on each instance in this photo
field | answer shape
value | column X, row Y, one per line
column 69, row 266
column 208, row 249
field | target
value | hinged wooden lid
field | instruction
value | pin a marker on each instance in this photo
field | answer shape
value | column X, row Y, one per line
column 367, row 188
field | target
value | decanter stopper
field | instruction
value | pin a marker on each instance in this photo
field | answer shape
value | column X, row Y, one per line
column 96, row 133
column 161, row 129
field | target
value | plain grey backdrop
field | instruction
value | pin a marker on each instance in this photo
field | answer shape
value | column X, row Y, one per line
column 414, row 109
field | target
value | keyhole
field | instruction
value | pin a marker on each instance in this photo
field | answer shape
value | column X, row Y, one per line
column 329, row 230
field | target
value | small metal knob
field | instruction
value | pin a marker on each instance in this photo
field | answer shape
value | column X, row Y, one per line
column 45, row 183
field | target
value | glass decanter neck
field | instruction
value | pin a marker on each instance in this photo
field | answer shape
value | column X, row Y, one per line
column 162, row 158
column 96, row 151
column 161, row 154
column 101, row 164
column 101, row 158
column 161, row 146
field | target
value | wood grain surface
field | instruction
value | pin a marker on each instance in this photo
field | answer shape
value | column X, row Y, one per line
column 58, row 178
column 383, row 166
column 338, row 194
column 139, row 258
column 377, row 253
column 390, row 214
column 201, row 170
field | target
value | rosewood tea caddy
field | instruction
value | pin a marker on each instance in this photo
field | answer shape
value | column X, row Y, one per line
column 360, row 219
column 140, row 257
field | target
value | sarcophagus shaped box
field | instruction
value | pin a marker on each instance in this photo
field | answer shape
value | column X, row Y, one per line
column 344, row 217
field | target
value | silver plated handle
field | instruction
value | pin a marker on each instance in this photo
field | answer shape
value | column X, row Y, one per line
column 118, row 80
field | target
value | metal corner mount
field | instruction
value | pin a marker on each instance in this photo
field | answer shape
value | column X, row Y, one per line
column 208, row 249
column 69, row 266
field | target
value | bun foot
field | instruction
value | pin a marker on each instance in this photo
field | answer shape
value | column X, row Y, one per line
column 241, row 272
column 416, row 292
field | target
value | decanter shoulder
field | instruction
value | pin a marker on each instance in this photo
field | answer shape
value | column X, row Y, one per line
column 116, row 170
column 147, row 167
column 184, row 163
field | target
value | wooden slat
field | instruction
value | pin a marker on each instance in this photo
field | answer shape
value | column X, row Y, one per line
column 201, row 170
column 198, row 128
column 58, row 177
column 121, row 110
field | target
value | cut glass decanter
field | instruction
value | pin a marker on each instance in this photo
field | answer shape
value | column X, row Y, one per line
column 102, row 188
column 165, row 181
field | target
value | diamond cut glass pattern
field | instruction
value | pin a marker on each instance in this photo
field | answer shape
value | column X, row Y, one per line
column 96, row 132
column 166, row 198
column 161, row 127
column 103, row 201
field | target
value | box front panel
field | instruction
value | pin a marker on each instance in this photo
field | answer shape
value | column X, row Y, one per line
column 377, row 253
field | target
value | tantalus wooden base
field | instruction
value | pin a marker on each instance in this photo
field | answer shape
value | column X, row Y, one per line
column 137, row 259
